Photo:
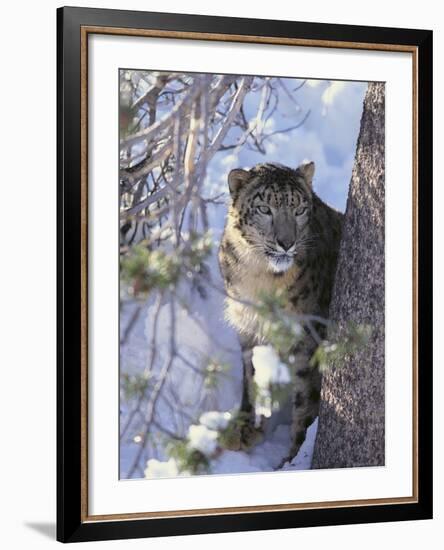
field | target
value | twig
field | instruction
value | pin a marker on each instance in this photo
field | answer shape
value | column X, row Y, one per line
column 166, row 431
column 130, row 324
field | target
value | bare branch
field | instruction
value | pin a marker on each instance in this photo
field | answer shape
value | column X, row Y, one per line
column 159, row 126
column 232, row 113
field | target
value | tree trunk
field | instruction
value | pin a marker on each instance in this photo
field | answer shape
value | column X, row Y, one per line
column 351, row 416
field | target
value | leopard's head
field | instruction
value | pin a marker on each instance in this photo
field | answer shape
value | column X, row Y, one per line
column 271, row 206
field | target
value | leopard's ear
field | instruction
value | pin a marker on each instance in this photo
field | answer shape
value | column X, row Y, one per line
column 307, row 170
column 236, row 178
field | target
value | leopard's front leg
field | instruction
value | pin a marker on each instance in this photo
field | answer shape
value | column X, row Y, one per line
column 242, row 432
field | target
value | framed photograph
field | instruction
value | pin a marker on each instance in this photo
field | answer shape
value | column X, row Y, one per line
column 244, row 274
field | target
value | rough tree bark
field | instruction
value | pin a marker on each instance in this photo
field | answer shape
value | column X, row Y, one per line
column 351, row 417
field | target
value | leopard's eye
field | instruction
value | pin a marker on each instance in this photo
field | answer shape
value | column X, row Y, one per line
column 264, row 209
column 300, row 210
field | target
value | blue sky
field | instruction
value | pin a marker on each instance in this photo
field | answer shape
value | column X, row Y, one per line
column 328, row 136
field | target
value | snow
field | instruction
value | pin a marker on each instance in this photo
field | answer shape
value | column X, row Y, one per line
column 215, row 420
column 232, row 461
column 264, row 457
column 269, row 372
column 268, row 455
column 302, row 461
column 268, row 368
column 202, row 439
column 157, row 469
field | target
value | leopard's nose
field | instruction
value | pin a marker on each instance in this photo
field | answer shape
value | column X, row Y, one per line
column 285, row 244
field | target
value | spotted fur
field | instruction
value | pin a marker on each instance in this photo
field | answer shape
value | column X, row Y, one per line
column 279, row 235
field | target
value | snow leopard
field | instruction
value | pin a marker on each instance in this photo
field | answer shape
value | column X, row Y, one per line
column 278, row 235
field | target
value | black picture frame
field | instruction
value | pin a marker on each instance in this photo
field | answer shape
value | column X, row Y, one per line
column 72, row 522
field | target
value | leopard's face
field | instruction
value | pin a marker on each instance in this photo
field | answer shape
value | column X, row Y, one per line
column 273, row 206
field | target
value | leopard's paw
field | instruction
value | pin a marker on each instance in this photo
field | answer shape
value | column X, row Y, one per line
column 241, row 433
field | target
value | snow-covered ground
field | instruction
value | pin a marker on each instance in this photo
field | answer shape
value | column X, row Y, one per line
column 268, row 455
